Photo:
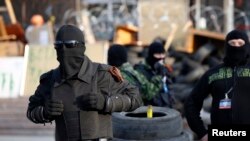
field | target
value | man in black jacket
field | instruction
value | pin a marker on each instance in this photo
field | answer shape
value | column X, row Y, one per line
column 80, row 95
column 229, row 86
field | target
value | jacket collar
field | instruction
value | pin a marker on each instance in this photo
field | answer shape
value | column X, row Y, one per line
column 85, row 74
column 87, row 71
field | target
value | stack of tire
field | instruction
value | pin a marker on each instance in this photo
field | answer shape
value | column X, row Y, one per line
column 166, row 125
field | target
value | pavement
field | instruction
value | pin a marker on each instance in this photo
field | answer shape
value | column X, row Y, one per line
column 14, row 125
column 26, row 138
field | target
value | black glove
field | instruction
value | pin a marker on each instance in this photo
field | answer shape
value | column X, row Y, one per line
column 53, row 108
column 160, row 69
column 92, row 101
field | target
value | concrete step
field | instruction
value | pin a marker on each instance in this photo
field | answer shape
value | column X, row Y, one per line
column 13, row 120
column 26, row 138
column 26, row 132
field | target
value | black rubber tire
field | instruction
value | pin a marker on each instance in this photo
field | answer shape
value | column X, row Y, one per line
column 136, row 128
column 191, row 64
column 182, row 137
column 203, row 52
column 213, row 61
column 181, row 91
column 193, row 75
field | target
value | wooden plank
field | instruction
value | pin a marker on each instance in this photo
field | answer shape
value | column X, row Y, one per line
column 125, row 34
column 196, row 38
column 209, row 34
column 3, row 31
column 170, row 37
column 11, row 11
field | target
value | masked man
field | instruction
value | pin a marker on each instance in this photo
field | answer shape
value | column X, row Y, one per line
column 153, row 69
column 80, row 95
column 228, row 85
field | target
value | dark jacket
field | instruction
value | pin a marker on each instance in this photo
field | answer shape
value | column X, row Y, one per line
column 93, row 77
column 218, row 81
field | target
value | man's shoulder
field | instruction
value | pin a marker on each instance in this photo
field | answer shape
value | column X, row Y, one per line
column 102, row 70
column 216, row 68
column 106, row 71
column 103, row 67
column 47, row 75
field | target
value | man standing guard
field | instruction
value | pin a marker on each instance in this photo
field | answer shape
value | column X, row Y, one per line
column 80, row 95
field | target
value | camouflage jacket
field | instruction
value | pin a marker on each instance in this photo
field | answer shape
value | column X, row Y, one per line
column 155, row 87
column 148, row 88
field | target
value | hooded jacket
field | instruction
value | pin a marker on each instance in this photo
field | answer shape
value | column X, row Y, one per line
column 231, row 77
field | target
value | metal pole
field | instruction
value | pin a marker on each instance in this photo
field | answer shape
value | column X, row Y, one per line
column 229, row 15
column 198, row 12
column 24, row 12
column 11, row 11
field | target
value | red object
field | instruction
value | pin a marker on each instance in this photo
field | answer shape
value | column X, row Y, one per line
column 239, row 3
column 16, row 29
column 170, row 68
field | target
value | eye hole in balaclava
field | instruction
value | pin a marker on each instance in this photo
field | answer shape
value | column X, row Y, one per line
column 235, row 56
column 154, row 48
column 117, row 55
column 70, row 50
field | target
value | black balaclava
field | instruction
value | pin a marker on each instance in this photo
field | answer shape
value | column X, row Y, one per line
column 235, row 56
column 70, row 59
column 154, row 47
column 117, row 55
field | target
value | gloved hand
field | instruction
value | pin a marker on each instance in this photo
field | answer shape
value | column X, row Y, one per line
column 92, row 101
column 160, row 69
column 53, row 108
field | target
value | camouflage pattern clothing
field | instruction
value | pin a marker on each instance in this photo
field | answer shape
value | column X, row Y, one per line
column 155, row 91
column 147, row 88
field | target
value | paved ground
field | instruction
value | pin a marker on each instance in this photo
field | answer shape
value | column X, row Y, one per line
column 14, row 125
column 26, row 138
